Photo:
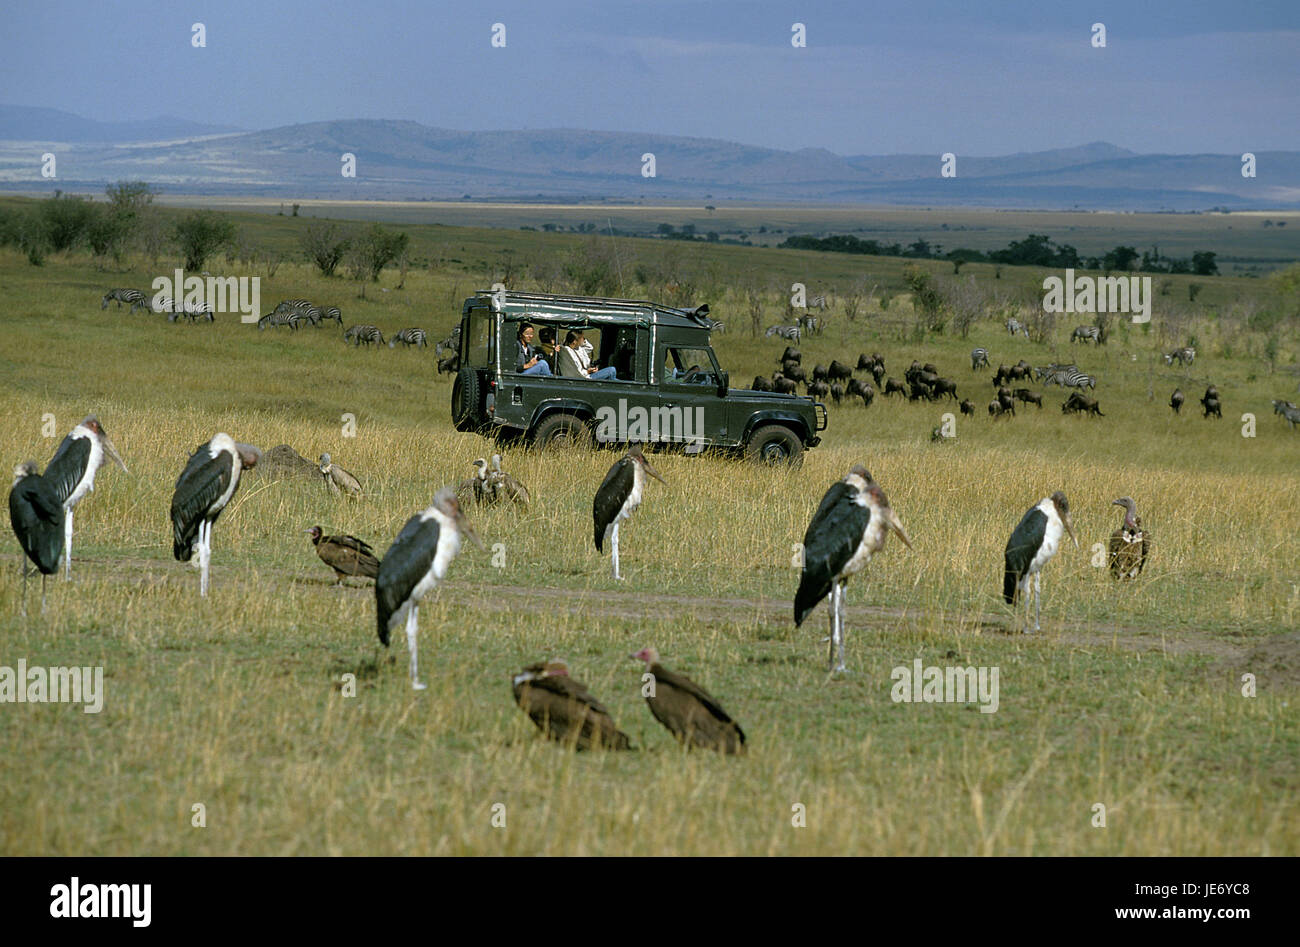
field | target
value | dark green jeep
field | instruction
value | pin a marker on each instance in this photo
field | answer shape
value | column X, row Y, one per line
column 646, row 373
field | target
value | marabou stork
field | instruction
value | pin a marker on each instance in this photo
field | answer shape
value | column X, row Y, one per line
column 37, row 518
column 849, row 527
column 688, row 711
column 1033, row 543
column 346, row 555
column 504, row 486
column 337, row 479
column 618, row 497
column 564, row 709
column 1129, row 544
column 415, row 563
column 71, row 472
column 205, row 486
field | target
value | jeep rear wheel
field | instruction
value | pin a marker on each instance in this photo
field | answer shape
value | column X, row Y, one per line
column 465, row 400
column 559, row 431
column 773, row 445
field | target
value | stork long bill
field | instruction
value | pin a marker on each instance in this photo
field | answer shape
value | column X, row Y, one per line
column 111, row 451
column 1069, row 528
column 897, row 527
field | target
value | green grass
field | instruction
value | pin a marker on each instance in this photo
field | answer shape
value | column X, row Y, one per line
column 1130, row 698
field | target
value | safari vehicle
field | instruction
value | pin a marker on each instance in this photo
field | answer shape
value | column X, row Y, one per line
column 669, row 387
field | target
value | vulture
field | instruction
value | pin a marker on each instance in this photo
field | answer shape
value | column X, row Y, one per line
column 502, row 486
column 688, row 711
column 1032, row 545
column 337, row 479
column 346, row 555
column 1129, row 544
column 36, row 515
column 564, row 709
column 474, row 487
column 618, row 498
column 849, row 527
column 71, row 472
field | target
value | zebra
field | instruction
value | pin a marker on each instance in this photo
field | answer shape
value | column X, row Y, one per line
column 1053, row 373
column 789, row 333
column 718, row 327
column 272, row 319
column 818, row 302
column 810, row 324
column 1288, row 411
column 1086, row 334
column 979, row 357
column 1185, row 356
column 192, row 311
column 451, row 342
column 1073, row 378
column 137, row 299
column 363, row 335
column 409, row 337
column 331, row 312
column 288, row 305
column 1015, row 325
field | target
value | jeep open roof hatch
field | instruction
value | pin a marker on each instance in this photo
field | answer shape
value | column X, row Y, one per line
column 545, row 307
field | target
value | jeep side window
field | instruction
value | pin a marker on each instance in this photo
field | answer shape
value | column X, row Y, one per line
column 687, row 366
column 481, row 325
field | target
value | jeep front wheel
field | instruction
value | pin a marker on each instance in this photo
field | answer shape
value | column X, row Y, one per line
column 773, row 445
column 561, row 431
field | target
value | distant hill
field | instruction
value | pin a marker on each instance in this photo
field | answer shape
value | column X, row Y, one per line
column 23, row 123
column 407, row 160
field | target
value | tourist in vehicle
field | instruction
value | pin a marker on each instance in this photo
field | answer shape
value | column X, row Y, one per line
column 573, row 360
column 546, row 342
column 527, row 361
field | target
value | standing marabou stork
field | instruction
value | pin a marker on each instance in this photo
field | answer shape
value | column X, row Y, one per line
column 688, row 711
column 72, row 470
column 849, row 527
column 1033, row 543
column 415, row 563
column 346, row 555
column 337, row 479
column 203, row 489
column 564, row 709
column 1129, row 544
column 618, row 497
column 37, row 518
column 504, row 486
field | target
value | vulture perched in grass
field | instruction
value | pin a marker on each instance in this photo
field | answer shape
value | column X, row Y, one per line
column 505, row 487
column 688, row 711
column 1129, row 544
column 346, row 555
column 564, row 709
column 337, row 479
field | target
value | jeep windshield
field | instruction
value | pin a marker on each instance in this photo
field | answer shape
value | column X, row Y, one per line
column 689, row 366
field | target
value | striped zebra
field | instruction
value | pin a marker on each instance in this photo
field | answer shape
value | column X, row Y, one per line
column 979, row 357
column 1053, row 372
column 289, row 305
column 809, row 324
column 133, row 297
column 1015, row 325
column 1073, row 378
column 409, row 337
column 192, row 311
column 1086, row 334
column 273, row 319
column 1288, row 411
column 1185, row 356
column 452, row 342
column 789, row 333
column 363, row 335
column 331, row 312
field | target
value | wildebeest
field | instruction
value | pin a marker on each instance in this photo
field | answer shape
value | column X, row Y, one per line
column 1210, row 402
column 449, row 363
column 995, row 409
column 839, row 371
column 868, row 395
column 921, row 390
column 819, row 373
column 968, row 407
column 791, row 354
column 819, row 389
column 784, row 385
column 945, row 386
column 894, row 387
column 1028, row 397
column 761, row 384
column 1079, row 402
column 837, row 393
column 1176, row 401
column 793, row 371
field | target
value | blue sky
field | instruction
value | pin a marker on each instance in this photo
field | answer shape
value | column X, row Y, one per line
column 875, row 78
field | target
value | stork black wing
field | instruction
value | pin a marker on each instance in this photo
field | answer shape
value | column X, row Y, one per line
column 36, row 514
column 407, row 561
column 1021, row 549
column 611, row 496
column 67, row 466
column 833, row 536
column 200, row 485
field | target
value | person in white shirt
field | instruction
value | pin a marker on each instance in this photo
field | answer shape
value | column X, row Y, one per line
column 575, row 361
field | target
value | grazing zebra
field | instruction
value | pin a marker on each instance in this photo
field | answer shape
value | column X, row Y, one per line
column 1185, row 356
column 409, row 337
column 1288, row 411
column 979, row 357
column 818, row 302
column 363, row 335
column 192, row 311
column 1086, row 334
column 289, row 305
column 134, row 297
column 1015, row 325
column 789, row 333
column 810, row 324
column 273, row 319
column 331, row 312
column 1073, row 378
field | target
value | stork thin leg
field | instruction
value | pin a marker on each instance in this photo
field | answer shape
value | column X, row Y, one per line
column 839, row 626
column 42, row 596
column 205, row 556
column 23, row 566
column 67, row 545
column 1038, row 600
column 412, row 634
column 830, row 608
column 613, row 539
